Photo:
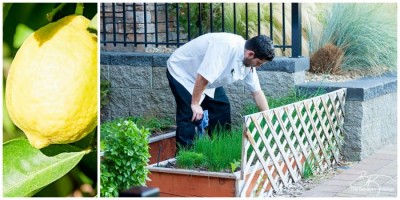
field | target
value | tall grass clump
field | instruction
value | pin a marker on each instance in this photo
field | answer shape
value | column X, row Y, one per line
column 215, row 153
column 366, row 33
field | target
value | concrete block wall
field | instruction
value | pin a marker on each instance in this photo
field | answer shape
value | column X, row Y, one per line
column 139, row 85
column 370, row 114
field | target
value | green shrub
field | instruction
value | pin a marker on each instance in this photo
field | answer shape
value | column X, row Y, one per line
column 126, row 153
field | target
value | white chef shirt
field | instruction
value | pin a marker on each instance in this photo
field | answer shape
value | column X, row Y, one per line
column 218, row 57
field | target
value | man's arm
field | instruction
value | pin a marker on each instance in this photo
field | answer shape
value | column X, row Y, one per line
column 260, row 100
column 199, row 87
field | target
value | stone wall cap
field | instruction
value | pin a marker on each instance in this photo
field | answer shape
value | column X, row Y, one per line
column 359, row 89
column 283, row 64
column 286, row 64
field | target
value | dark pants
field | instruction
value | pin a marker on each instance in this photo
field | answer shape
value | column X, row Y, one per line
column 219, row 112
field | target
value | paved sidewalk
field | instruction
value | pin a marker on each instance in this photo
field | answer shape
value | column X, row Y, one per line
column 374, row 176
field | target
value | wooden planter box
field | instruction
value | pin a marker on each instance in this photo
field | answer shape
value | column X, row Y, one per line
column 193, row 183
column 162, row 147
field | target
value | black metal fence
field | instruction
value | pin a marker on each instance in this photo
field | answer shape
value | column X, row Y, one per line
column 174, row 24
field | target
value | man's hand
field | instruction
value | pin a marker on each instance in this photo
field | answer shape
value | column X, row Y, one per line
column 199, row 87
column 197, row 112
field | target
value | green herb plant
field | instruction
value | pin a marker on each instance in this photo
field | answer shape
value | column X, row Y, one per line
column 126, row 153
column 234, row 165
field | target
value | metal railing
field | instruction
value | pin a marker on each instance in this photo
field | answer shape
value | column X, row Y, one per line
column 181, row 22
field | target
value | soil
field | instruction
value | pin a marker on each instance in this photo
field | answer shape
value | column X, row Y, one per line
column 173, row 165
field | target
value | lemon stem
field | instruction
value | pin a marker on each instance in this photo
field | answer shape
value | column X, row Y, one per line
column 50, row 15
column 79, row 9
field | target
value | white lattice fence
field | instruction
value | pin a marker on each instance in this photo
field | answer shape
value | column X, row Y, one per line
column 280, row 143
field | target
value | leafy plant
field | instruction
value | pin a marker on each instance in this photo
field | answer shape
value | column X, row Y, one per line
column 234, row 165
column 126, row 153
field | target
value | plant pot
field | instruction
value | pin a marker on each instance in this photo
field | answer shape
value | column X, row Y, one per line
column 193, row 183
column 162, row 147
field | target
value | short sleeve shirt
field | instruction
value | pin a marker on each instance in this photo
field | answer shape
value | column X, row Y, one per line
column 218, row 57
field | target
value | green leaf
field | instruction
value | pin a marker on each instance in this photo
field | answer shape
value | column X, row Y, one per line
column 21, row 33
column 27, row 169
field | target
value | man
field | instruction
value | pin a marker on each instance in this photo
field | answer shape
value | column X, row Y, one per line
column 198, row 70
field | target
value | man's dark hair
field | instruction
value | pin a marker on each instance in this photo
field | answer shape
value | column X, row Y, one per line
column 262, row 47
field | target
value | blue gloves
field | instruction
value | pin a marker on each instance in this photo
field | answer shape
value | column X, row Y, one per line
column 203, row 124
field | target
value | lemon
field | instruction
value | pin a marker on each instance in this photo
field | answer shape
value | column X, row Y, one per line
column 51, row 91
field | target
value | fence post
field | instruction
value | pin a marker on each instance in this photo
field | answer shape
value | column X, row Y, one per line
column 296, row 30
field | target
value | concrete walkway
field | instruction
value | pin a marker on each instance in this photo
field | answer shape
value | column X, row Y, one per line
column 374, row 176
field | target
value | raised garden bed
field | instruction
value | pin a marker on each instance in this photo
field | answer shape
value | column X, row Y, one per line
column 174, row 182
column 162, row 147
column 278, row 146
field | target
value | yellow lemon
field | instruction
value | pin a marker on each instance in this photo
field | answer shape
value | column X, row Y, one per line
column 51, row 91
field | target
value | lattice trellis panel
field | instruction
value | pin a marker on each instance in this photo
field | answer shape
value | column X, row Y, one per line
column 279, row 142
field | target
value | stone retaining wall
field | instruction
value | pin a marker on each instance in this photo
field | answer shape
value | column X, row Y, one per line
column 370, row 114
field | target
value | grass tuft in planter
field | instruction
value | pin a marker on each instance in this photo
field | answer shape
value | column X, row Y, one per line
column 214, row 153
